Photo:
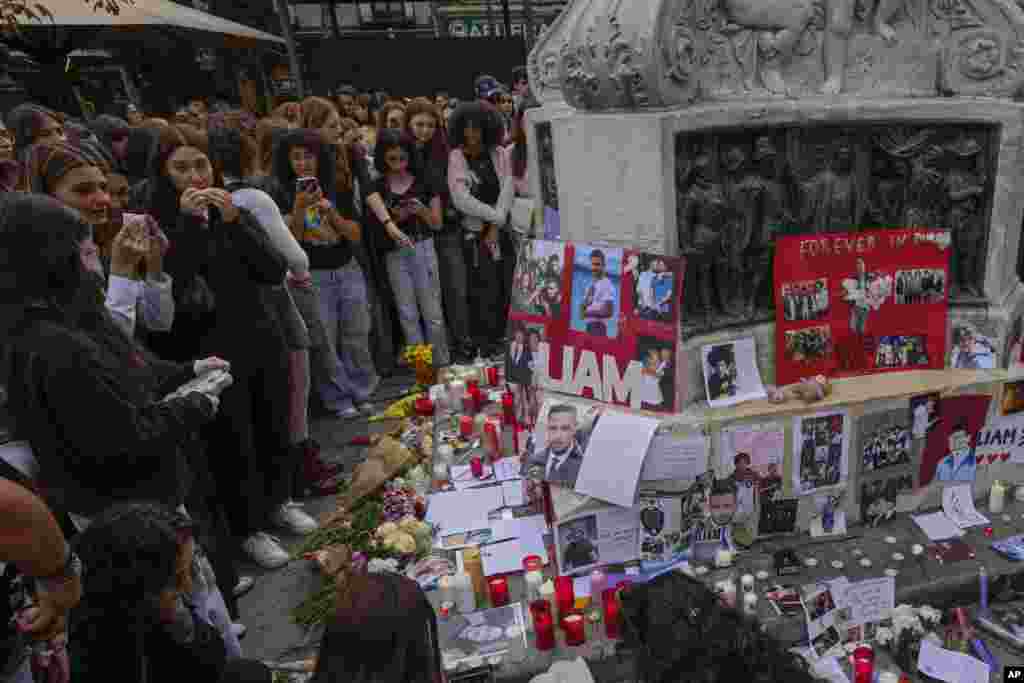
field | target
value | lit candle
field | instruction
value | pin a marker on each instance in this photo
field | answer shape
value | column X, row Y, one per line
column 863, row 664
column 997, row 497
column 424, row 407
column 481, row 369
column 492, row 376
column 492, row 442
column 750, row 603
column 610, row 596
column 478, row 423
column 472, row 385
column 575, row 630
column 543, row 624
column 547, row 593
column 747, row 581
column 564, row 595
column 498, row 586
column 508, row 408
column 466, row 426
column 476, row 466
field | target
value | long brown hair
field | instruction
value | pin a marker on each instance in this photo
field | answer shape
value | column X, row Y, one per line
column 316, row 111
column 265, row 129
column 439, row 143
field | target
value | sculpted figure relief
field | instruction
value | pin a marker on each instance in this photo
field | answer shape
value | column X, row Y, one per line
column 738, row 190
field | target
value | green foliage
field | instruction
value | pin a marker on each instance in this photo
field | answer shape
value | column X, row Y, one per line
column 15, row 12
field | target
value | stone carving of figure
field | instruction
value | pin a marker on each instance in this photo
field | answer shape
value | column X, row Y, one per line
column 743, row 196
column 765, row 36
column 888, row 195
column 830, row 198
column 773, row 216
column 701, row 213
column 966, row 190
column 927, row 198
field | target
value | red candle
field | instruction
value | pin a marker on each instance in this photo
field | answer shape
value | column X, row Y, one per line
column 564, row 595
column 466, row 426
column 863, row 664
column 508, row 408
column 499, row 591
column 469, row 404
column 478, row 399
column 575, row 628
column 424, row 407
column 476, row 466
column 610, row 597
column 533, row 563
column 543, row 624
column 491, row 436
column 492, row 376
column 472, row 385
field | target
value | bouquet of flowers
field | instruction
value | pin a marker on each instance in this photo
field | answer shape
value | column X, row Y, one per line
column 421, row 358
column 910, row 625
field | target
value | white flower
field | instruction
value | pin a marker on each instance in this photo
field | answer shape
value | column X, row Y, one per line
column 930, row 614
column 379, row 566
column 883, row 635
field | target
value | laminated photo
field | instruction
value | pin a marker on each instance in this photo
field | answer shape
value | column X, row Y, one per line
column 731, row 375
column 609, row 535
column 821, row 444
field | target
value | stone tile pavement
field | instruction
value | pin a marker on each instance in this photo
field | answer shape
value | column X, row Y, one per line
column 266, row 609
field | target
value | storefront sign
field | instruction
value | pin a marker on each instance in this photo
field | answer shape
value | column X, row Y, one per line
column 480, row 28
column 860, row 303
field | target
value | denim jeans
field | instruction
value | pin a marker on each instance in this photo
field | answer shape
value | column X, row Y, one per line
column 346, row 374
column 417, row 287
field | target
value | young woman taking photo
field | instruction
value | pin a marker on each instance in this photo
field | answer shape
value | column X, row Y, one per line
column 409, row 211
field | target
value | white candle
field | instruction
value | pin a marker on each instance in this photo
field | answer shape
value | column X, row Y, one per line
column 747, row 581
column 481, row 369
column 723, row 557
column 598, row 582
column 456, row 390
column 750, row 603
column 997, row 497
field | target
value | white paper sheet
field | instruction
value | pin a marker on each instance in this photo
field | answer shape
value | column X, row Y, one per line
column 958, row 504
column 456, row 511
column 507, row 468
column 675, row 456
column 507, row 557
column 747, row 384
column 871, row 600
column 949, row 666
column 462, row 477
column 614, row 457
column 937, row 526
column 512, row 492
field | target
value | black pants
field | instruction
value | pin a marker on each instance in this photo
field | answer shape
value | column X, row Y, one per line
column 250, row 456
column 490, row 289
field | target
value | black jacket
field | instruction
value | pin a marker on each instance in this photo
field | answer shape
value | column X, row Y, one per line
column 96, row 424
column 233, row 261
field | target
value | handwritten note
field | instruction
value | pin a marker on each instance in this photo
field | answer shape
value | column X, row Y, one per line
column 675, row 456
column 871, row 600
column 958, row 504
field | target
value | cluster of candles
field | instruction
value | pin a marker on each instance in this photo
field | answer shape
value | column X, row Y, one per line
column 572, row 622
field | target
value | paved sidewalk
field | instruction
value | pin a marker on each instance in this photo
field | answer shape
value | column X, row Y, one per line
column 266, row 609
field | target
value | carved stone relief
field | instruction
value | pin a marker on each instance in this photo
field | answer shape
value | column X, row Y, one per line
column 613, row 54
column 738, row 190
column 546, row 159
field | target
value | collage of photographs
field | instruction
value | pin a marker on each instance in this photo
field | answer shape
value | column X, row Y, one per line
column 845, row 313
column 608, row 300
column 886, row 446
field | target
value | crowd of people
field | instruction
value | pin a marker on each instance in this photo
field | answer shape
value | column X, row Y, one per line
column 177, row 291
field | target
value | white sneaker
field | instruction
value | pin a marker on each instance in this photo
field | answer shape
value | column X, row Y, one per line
column 292, row 517
column 266, row 550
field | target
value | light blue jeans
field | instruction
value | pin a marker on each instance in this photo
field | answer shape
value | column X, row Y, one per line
column 417, row 286
column 345, row 374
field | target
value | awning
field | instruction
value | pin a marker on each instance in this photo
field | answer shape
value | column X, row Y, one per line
column 149, row 13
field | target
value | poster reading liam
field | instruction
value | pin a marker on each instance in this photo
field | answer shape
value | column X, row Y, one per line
column 859, row 303
column 596, row 322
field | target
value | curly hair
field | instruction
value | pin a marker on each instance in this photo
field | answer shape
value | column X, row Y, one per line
column 284, row 177
column 683, row 633
column 477, row 115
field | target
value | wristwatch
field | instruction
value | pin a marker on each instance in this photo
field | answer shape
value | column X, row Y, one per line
column 72, row 568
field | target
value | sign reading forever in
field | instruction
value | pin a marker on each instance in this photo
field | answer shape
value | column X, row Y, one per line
column 596, row 322
column 859, row 303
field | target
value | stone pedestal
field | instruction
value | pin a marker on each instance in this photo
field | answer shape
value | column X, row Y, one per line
column 918, row 104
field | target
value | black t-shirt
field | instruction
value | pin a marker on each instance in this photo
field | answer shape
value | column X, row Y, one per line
column 321, row 256
column 415, row 228
column 489, row 188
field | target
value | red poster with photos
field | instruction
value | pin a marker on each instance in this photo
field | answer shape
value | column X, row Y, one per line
column 596, row 322
column 860, row 303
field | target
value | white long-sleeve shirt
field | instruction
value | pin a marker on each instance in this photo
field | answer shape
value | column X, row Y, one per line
column 266, row 212
column 150, row 299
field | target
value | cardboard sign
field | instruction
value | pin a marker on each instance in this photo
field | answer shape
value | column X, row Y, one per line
column 859, row 303
column 596, row 322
